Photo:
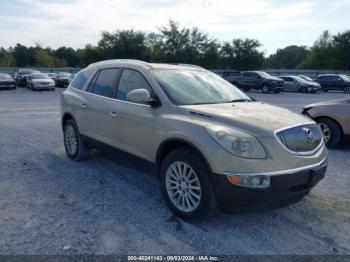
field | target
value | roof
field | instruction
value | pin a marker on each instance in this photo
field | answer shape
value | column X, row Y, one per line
column 143, row 64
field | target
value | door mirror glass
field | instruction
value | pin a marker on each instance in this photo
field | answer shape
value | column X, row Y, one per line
column 140, row 95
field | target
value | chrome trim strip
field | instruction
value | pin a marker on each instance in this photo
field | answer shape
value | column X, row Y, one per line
column 308, row 153
column 316, row 166
column 110, row 98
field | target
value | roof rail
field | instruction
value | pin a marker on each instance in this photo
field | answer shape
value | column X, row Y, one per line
column 119, row 60
column 190, row 65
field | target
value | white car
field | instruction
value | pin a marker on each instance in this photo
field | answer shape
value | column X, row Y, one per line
column 40, row 81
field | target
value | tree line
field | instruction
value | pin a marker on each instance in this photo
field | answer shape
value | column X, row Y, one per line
column 173, row 44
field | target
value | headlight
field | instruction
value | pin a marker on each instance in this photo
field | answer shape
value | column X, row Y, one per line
column 237, row 143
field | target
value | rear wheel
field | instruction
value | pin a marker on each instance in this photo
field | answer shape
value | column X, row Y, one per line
column 73, row 144
column 186, row 186
column 330, row 130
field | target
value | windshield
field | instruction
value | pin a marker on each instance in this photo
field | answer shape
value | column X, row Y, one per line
column 345, row 77
column 264, row 74
column 39, row 76
column 306, row 78
column 5, row 76
column 190, row 87
column 63, row 74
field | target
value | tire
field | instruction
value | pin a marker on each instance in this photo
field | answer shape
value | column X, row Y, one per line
column 71, row 133
column 186, row 159
column 265, row 88
column 303, row 89
column 331, row 131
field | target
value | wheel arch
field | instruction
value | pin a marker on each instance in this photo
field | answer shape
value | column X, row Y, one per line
column 332, row 119
column 65, row 118
column 173, row 143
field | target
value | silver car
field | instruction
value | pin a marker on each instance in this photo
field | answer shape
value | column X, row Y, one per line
column 299, row 84
column 40, row 81
column 209, row 143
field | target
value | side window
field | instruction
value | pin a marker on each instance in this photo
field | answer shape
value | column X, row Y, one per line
column 81, row 78
column 105, row 81
column 130, row 80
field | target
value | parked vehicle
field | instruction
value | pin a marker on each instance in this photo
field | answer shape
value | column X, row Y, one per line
column 62, row 79
column 334, row 82
column 298, row 84
column 333, row 118
column 257, row 80
column 21, row 76
column 53, row 76
column 7, row 82
column 307, row 78
column 40, row 81
column 208, row 141
column 71, row 77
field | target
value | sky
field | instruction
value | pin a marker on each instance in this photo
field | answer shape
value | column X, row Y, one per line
column 275, row 23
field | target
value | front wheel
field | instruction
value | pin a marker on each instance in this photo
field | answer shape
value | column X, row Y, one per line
column 331, row 131
column 73, row 144
column 186, row 186
column 265, row 89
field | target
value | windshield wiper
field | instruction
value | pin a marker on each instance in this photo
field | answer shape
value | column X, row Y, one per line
column 240, row 100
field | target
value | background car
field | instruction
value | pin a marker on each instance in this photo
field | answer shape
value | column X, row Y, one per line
column 333, row 118
column 62, row 79
column 40, row 81
column 257, row 80
column 307, row 78
column 334, row 82
column 71, row 77
column 7, row 82
column 53, row 76
column 22, row 74
column 298, row 84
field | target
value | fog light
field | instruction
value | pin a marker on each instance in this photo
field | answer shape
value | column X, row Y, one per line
column 258, row 181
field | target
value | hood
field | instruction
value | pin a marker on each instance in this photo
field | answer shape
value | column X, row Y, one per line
column 331, row 102
column 7, row 80
column 257, row 118
column 311, row 83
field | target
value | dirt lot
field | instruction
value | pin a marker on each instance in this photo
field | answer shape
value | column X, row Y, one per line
column 51, row 205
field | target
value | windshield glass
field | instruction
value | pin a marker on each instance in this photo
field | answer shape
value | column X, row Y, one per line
column 345, row 77
column 190, row 87
column 63, row 74
column 306, row 78
column 264, row 74
column 5, row 76
column 39, row 76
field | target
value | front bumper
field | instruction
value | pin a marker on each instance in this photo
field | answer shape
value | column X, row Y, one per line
column 286, row 187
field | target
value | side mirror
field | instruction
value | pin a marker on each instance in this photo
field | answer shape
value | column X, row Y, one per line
column 141, row 96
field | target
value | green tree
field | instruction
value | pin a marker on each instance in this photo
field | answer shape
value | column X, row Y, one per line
column 288, row 58
column 242, row 54
column 44, row 58
column 6, row 58
column 323, row 54
column 89, row 54
column 67, row 55
column 126, row 44
column 341, row 43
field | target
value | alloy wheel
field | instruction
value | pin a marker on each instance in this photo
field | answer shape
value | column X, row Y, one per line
column 71, row 140
column 183, row 186
column 325, row 131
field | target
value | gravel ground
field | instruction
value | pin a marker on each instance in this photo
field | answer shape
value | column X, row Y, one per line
column 51, row 205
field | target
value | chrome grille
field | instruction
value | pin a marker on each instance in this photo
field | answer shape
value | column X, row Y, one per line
column 304, row 139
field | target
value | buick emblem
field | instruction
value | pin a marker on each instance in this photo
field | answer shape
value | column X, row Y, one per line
column 309, row 135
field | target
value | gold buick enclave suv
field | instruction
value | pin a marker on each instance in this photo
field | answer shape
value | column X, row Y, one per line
column 211, row 144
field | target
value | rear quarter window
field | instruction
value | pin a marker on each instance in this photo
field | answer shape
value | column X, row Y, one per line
column 81, row 78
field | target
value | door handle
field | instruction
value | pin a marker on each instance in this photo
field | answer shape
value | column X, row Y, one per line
column 113, row 114
column 83, row 106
